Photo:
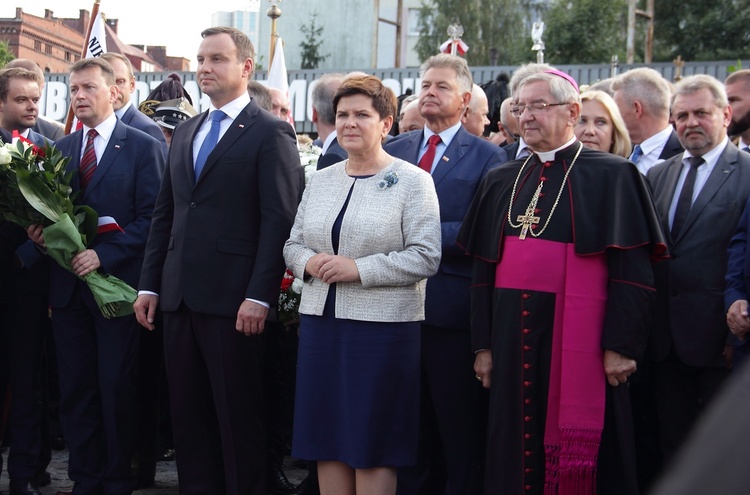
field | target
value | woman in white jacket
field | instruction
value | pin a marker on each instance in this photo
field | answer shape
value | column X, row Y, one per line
column 365, row 239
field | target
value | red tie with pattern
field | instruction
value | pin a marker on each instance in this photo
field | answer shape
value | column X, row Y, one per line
column 429, row 156
column 88, row 160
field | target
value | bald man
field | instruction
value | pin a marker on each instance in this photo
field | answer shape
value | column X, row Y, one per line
column 475, row 118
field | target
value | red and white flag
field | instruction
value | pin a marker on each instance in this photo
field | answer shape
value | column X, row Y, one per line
column 461, row 47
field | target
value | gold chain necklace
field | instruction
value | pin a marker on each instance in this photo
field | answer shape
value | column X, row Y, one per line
column 528, row 218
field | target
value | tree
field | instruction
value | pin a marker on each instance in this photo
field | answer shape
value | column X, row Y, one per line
column 700, row 30
column 488, row 24
column 585, row 31
column 311, row 57
column 5, row 54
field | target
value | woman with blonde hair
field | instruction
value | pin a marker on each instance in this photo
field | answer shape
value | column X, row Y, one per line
column 600, row 126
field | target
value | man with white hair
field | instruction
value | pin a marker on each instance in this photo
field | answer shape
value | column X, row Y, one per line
column 561, row 298
column 642, row 96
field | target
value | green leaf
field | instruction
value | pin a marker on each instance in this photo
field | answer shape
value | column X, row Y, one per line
column 39, row 196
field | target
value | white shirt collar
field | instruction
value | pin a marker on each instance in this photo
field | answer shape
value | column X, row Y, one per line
column 549, row 156
column 104, row 129
column 446, row 136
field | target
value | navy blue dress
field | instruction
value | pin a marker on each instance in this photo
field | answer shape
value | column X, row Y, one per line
column 357, row 398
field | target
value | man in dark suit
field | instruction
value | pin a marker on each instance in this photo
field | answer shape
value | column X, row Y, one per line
column 325, row 119
column 643, row 95
column 214, row 264
column 24, row 325
column 124, row 108
column 97, row 356
column 699, row 196
column 454, row 403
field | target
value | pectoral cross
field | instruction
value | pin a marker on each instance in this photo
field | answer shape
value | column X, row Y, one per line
column 528, row 218
column 526, row 221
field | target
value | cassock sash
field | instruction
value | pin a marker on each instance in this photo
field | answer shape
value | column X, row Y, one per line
column 575, row 411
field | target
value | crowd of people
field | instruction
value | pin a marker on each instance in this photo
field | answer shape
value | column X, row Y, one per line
column 549, row 308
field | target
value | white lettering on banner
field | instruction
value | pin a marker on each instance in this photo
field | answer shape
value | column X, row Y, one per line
column 300, row 95
column 57, row 100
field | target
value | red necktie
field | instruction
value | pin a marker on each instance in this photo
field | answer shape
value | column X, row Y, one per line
column 88, row 160
column 429, row 156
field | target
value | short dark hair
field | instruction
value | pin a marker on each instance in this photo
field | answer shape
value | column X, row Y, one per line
column 383, row 99
column 244, row 46
column 112, row 56
column 16, row 73
column 87, row 63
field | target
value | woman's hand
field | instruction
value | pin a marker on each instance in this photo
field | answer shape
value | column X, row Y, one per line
column 332, row 269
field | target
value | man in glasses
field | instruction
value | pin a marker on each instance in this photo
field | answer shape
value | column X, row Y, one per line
column 561, row 298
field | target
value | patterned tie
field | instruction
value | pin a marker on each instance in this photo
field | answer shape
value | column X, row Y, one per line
column 209, row 143
column 637, row 154
column 88, row 160
column 429, row 156
column 685, row 201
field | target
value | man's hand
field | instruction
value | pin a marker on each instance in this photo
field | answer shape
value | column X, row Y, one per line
column 251, row 318
column 145, row 310
column 617, row 367
column 483, row 366
column 737, row 319
column 36, row 235
column 85, row 262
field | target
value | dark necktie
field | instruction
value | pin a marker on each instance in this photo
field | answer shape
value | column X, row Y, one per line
column 685, row 201
column 746, row 149
column 637, row 154
column 209, row 143
column 429, row 156
column 88, row 160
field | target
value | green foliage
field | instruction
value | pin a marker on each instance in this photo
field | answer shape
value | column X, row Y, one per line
column 585, row 31
column 311, row 57
column 487, row 24
column 5, row 54
column 700, row 30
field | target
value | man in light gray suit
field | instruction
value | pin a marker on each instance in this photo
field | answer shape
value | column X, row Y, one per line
column 699, row 196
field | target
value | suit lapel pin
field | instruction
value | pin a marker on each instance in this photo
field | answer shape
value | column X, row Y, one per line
column 241, row 126
column 117, row 146
column 446, row 159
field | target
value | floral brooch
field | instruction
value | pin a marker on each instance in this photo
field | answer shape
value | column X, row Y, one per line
column 389, row 179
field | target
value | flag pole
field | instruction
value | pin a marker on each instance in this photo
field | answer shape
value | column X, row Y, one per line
column 87, row 37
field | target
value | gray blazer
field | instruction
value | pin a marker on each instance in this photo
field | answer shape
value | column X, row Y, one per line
column 689, row 313
column 391, row 232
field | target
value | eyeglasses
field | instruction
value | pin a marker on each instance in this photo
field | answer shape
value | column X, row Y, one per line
column 518, row 110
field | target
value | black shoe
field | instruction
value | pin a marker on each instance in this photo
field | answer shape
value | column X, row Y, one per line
column 277, row 482
column 57, row 443
column 43, row 479
column 19, row 487
column 309, row 487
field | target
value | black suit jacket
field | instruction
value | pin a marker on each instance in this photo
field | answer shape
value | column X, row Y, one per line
column 219, row 240
column 689, row 312
column 334, row 154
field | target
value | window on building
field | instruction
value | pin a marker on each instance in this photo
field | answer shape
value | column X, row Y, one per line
column 38, row 46
column 48, row 49
column 68, row 56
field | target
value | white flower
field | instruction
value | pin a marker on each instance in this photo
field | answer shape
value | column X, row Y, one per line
column 297, row 285
column 5, row 157
column 308, row 157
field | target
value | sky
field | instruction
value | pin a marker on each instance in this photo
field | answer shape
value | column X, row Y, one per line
column 176, row 25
